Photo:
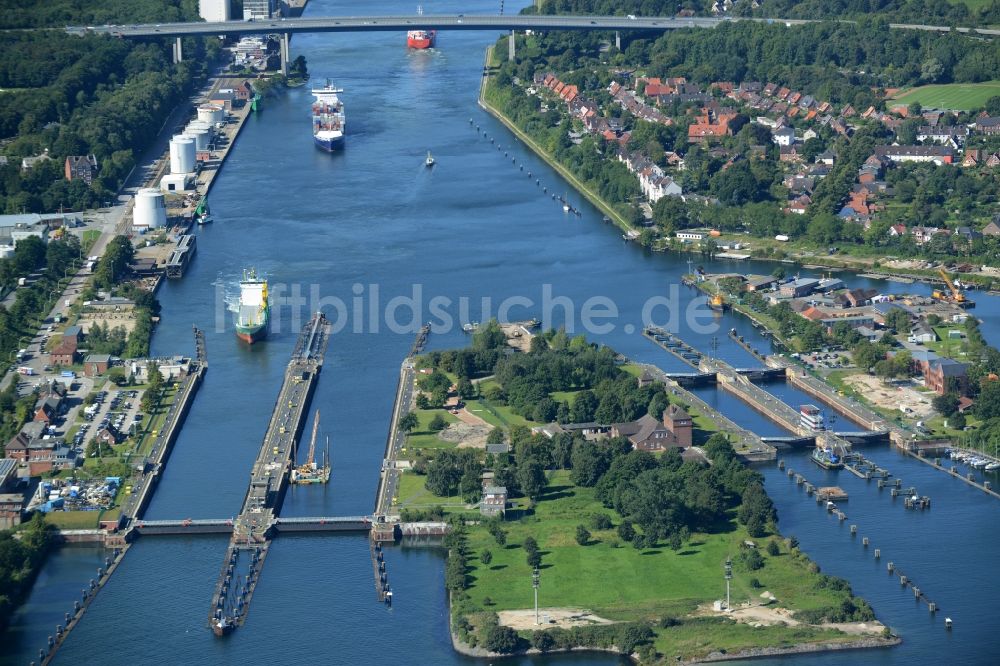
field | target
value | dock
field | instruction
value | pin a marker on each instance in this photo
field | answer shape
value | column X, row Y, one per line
column 257, row 522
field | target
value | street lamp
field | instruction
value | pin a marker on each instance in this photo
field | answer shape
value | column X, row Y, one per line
column 534, row 584
column 729, row 577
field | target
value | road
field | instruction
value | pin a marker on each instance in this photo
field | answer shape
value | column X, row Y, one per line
column 389, row 485
column 450, row 22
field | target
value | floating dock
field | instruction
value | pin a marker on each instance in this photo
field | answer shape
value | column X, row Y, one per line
column 257, row 521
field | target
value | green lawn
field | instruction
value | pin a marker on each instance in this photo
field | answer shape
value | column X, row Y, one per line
column 88, row 238
column 618, row 582
column 959, row 96
column 423, row 437
column 73, row 520
column 973, row 5
column 479, row 409
column 413, row 495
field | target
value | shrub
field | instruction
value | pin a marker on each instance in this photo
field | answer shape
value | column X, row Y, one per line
column 625, row 531
column 600, row 521
column 773, row 548
column 501, row 639
column 486, row 556
column 582, row 535
column 542, row 640
column 755, row 583
column 437, row 423
column 752, row 559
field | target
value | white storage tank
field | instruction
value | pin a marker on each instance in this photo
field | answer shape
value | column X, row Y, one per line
column 150, row 208
column 200, row 135
column 211, row 113
column 182, row 154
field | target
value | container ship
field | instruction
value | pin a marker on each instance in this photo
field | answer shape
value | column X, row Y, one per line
column 328, row 118
column 420, row 39
column 251, row 318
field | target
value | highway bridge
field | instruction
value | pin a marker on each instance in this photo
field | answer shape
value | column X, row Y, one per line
column 285, row 27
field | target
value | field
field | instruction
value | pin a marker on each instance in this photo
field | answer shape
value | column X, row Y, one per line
column 973, row 5
column 959, row 96
column 618, row 582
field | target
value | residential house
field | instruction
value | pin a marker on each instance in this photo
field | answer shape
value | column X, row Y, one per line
column 988, row 125
column 991, row 229
column 937, row 154
column 494, row 501
column 690, row 235
column 789, row 154
column 826, row 157
column 81, row 167
column 953, row 135
column 783, row 136
column 921, row 333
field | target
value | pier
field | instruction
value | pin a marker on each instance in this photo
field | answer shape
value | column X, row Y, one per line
column 258, row 519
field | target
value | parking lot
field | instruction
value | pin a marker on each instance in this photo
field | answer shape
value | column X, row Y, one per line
column 117, row 408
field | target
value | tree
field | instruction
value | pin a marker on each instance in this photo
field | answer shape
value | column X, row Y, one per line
column 503, row 640
column 773, row 549
column 530, row 545
column 946, row 404
column 408, row 421
column 534, row 559
column 582, row 535
column 486, row 556
column 625, row 531
column 531, row 479
column 437, row 423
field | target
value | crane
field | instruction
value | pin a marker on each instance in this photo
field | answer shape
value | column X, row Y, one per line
column 956, row 295
column 309, row 471
column 310, row 464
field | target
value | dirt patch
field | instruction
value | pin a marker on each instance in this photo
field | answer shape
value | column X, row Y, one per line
column 465, row 416
column 466, row 435
column 765, row 616
column 550, row 617
column 112, row 320
column 892, row 396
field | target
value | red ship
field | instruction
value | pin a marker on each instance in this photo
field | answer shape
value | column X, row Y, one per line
column 420, row 39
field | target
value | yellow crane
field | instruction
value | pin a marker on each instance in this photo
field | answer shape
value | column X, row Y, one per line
column 956, row 295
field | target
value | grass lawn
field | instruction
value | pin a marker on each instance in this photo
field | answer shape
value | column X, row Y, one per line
column 479, row 409
column 88, row 238
column 973, row 5
column 423, row 437
column 959, row 96
column 413, row 495
column 618, row 582
column 73, row 520
column 632, row 369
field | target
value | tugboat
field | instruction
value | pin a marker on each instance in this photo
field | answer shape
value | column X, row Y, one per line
column 202, row 214
column 429, row 162
column 826, row 458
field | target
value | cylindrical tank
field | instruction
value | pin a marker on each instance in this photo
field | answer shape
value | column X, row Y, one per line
column 210, row 113
column 182, row 154
column 200, row 136
column 150, row 209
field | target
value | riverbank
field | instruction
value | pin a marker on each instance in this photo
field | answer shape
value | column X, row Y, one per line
column 767, row 249
column 542, row 154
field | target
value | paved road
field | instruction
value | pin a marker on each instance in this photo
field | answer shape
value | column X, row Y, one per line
column 397, row 440
column 449, row 22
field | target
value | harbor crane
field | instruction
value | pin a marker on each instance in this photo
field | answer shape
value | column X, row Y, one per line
column 956, row 295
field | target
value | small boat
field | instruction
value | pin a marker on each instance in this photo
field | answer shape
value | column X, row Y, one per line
column 429, row 162
column 471, row 327
column 826, row 458
column 992, row 467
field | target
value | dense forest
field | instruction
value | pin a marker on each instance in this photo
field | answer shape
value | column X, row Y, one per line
column 939, row 12
column 19, row 562
column 70, row 95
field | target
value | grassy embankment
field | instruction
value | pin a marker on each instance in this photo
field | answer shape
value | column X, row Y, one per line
column 621, row 583
column 488, row 95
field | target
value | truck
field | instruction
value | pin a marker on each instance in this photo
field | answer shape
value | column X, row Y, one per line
column 26, row 370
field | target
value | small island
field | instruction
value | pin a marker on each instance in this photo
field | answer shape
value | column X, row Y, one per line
column 567, row 468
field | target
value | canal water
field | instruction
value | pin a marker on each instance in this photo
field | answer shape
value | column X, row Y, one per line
column 373, row 219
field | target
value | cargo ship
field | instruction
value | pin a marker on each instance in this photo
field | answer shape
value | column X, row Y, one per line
column 252, row 315
column 328, row 118
column 420, row 39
